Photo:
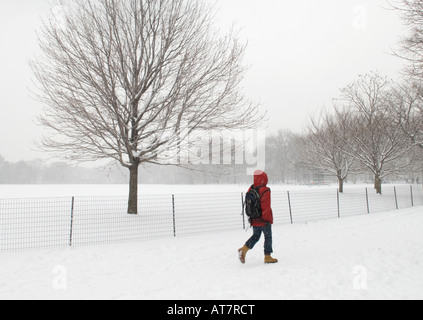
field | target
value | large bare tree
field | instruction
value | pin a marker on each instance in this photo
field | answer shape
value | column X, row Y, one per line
column 375, row 139
column 408, row 105
column 130, row 80
column 323, row 146
column 411, row 45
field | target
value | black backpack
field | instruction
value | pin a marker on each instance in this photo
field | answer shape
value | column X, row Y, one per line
column 252, row 203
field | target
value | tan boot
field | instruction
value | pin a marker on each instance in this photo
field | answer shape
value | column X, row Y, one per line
column 268, row 259
column 243, row 253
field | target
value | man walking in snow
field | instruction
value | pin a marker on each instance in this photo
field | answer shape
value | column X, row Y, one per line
column 262, row 224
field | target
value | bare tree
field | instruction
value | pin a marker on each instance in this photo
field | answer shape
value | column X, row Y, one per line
column 411, row 45
column 130, row 80
column 407, row 109
column 408, row 98
column 375, row 139
column 323, row 147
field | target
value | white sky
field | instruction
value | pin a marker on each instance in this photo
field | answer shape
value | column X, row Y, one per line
column 300, row 52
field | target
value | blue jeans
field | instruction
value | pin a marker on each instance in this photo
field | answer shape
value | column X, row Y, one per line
column 268, row 242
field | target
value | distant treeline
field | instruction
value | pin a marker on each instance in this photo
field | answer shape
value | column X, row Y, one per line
column 40, row 172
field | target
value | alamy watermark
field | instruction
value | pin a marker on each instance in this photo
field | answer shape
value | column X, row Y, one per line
column 361, row 278
column 60, row 279
column 360, row 20
column 220, row 147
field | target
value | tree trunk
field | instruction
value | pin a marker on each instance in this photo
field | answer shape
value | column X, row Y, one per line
column 378, row 184
column 341, row 181
column 133, row 190
column 341, row 185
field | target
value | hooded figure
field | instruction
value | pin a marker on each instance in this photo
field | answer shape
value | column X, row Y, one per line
column 260, row 182
column 263, row 224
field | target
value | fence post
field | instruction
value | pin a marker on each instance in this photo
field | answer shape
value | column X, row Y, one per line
column 174, row 216
column 412, row 196
column 243, row 210
column 71, row 222
column 396, row 198
column 290, row 208
column 337, row 197
column 367, row 200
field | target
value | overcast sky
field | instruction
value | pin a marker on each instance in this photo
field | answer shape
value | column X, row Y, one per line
column 300, row 52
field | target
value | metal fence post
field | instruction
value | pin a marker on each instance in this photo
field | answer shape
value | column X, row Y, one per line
column 367, row 200
column 243, row 210
column 71, row 222
column 290, row 208
column 396, row 198
column 412, row 196
column 174, row 216
column 337, row 197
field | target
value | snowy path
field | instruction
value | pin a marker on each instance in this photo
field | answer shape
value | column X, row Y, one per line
column 376, row 256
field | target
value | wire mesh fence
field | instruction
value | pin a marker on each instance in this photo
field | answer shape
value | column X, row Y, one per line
column 103, row 220
column 38, row 223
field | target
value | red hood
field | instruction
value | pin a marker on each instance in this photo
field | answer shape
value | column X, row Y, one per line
column 260, row 178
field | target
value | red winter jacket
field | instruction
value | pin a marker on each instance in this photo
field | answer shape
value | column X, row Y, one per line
column 261, row 180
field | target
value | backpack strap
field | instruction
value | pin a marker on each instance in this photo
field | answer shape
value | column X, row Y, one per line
column 259, row 187
column 268, row 190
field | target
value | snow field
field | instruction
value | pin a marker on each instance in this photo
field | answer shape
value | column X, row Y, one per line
column 377, row 256
column 93, row 190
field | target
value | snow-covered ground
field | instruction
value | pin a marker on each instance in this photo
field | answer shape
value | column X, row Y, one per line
column 22, row 191
column 376, row 256
column 45, row 190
